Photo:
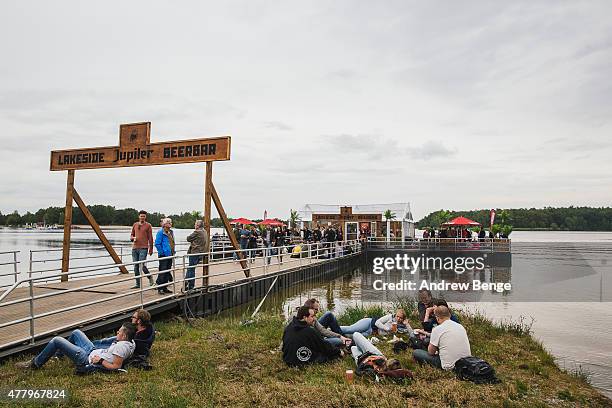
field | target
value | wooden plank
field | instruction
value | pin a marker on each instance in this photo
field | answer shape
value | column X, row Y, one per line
column 67, row 225
column 228, row 228
column 98, row 231
column 135, row 149
column 207, row 199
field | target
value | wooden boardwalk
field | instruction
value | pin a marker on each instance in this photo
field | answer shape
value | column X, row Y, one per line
column 113, row 296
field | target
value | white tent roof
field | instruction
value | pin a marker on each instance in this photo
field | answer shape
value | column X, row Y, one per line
column 401, row 210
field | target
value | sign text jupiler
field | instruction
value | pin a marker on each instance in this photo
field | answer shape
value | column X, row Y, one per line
column 135, row 149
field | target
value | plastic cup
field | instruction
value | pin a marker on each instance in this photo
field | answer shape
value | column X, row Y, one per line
column 394, row 327
column 349, row 376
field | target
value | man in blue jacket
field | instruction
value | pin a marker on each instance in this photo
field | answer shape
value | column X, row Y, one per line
column 164, row 243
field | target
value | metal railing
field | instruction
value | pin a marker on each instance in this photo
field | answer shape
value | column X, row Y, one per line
column 123, row 250
column 4, row 263
column 442, row 244
column 307, row 254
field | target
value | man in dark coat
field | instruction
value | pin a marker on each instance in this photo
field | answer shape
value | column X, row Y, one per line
column 303, row 345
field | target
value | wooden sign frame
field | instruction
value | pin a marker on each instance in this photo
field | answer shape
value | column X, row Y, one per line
column 136, row 149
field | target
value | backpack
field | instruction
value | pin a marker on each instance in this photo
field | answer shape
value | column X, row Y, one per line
column 419, row 344
column 476, row 370
column 370, row 364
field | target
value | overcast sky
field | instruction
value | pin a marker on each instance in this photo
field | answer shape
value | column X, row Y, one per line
column 454, row 105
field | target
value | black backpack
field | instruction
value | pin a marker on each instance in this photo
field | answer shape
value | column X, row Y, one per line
column 476, row 370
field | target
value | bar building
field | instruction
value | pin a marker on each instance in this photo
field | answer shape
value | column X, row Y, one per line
column 356, row 219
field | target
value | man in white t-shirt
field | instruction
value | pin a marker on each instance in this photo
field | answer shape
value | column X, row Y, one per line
column 449, row 342
column 83, row 353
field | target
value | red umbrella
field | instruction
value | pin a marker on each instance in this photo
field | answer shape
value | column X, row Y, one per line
column 461, row 221
column 271, row 222
column 242, row 221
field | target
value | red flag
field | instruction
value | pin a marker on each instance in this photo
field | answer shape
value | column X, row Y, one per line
column 492, row 217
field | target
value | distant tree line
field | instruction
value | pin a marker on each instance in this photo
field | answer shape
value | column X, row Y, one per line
column 548, row 218
column 103, row 214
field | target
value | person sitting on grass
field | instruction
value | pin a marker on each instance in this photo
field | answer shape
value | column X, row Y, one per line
column 144, row 337
column 327, row 325
column 425, row 301
column 303, row 345
column 448, row 343
column 429, row 320
column 83, row 353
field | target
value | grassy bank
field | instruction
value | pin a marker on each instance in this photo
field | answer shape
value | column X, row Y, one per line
column 217, row 362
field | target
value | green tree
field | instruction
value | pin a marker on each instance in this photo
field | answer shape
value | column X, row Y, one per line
column 13, row 219
column 294, row 217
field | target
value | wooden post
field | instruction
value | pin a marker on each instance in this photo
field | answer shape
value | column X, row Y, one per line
column 228, row 228
column 207, row 197
column 67, row 225
column 91, row 220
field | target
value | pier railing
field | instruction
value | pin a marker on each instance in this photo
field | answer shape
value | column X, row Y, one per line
column 31, row 309
column 442, row 244
column 124, row 251
column 8, row 261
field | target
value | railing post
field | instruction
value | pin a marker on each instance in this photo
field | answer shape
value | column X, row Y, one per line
column 31, row 312
column 15, row 265
column 142, row 265
column 174, row 274
column 30, row 267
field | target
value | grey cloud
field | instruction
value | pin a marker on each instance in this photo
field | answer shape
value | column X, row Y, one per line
column 377, row 147
column 430, row 150
column 278, row 125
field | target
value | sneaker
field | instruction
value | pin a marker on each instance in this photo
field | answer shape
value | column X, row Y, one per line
column 151, row 282
column 26, row 365
column 166, row 290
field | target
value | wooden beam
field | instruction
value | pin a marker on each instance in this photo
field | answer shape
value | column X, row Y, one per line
column 98, row 231
column 207, row 198
column 67, row 226
column 228, row 228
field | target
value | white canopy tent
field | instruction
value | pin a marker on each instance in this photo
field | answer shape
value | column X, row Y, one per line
column 401, row 210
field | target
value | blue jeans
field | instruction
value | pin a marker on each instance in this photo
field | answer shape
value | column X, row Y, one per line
column 139, row 254
column 422, row 356
column 268, row 254
column 77, row 348
column 363, row 326
column 190, row 274
column 328, row 320
column 104, row 343
column 334, row 341
column 362, row 345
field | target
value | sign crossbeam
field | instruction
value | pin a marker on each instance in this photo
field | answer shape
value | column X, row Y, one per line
column 135, row 149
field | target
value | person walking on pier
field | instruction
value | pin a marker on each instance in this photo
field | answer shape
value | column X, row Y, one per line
column 142, row 242
column 164, row 243
column 198, row 241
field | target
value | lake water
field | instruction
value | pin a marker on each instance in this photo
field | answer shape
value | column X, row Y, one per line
column 560, row 279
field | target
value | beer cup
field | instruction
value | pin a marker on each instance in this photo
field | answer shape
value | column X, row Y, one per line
column 349, row 376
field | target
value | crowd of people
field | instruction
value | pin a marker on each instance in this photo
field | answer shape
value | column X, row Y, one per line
column 266, row 241
column 440, row 341
column 165, row 244
column 462, row 233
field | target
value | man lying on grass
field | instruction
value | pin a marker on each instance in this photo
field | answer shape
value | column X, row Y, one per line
column 83, row 353
column 303, row 345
